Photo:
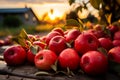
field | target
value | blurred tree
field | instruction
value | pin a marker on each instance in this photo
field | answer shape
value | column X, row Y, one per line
column 12, row 21
column 72, row 15
column 109, row 10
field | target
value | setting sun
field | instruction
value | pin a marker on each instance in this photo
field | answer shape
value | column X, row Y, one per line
column 53, row 14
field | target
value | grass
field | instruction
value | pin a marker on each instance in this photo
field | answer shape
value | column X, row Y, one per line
column 5, row 31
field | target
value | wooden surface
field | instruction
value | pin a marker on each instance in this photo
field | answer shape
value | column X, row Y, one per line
column 27, row 71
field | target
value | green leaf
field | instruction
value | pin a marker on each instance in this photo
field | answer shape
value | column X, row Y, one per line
column 34, row 49
column 54, row 67
column 40, row 73
column 23, row 34
column 95, row 3
column 68, row 45
column 102, row 50
column 71, row 2
column 72, row 22
column 79, row 8
column 69, row 72
column 19, row 40
column 108, row 17
column 81, row 25
column 62, row 72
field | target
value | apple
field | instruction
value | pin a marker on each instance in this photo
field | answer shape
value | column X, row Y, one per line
column 60, row 30
column 117, row 35
column 98, row 27
column 116, row 43
column 44, row 59
column 14, row 55
column 94, row 63
column 30, row 57
column 106, row 43
column 72, row 35
column 7, row 40
column 114, row 54
column 86, row 42
column 69, row 58
column 31, row 37
column 50, row 35
column 113, row 29
column 57, row 44
column 1, row 42
column 43, row 38
column 97, row 33
column 41, row 44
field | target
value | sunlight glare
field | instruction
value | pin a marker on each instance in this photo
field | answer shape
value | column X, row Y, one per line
column 54, row 14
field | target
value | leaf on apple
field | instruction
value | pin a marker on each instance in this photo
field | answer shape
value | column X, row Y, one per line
column 23, row 34
column 54, row 67
column 21, row 39
column 69, row 45
column 102, row 50
column 34, row 49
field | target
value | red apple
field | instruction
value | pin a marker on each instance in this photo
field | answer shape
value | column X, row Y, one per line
column 69, row 58
column 114, row 54
column 86, row 42
column 44, row 59
column 117, row 35
column 98, row 27
column 14, row 55
column 30, row 57
column 31, row 37
column 50, row 35
column 113, row 28
column 59, row 30
column 116, row 43
column 1, row 42
column 96, row 33
column 94, row 63
column 43, row 38
column 7, row 40
column 41, row 44
column 57, row 44
column 105, row 43
column 72, row 35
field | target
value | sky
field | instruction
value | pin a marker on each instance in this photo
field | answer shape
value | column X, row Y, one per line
column 31, row 1
column 39, row 6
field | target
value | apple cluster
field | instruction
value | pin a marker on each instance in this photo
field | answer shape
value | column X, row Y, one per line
column 6, row 41
column 89, row 50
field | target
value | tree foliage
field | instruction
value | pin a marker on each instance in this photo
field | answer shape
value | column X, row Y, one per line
column 109, row 10
column 12, row 21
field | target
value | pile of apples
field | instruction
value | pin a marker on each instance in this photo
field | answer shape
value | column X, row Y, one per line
column 6, row 41
column 89, row 50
